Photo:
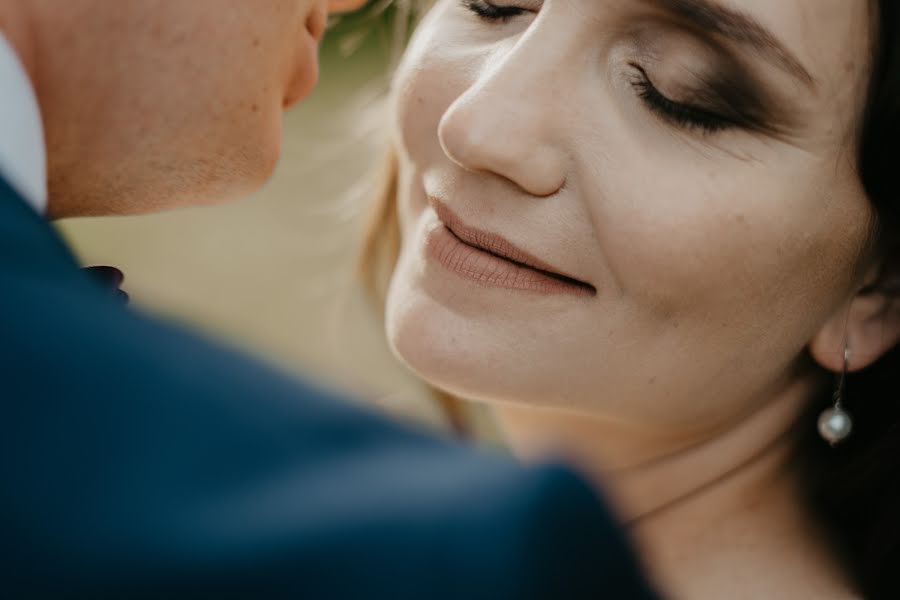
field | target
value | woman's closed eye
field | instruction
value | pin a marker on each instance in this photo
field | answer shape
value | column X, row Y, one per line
column 490, row 11
column 712, row 111
column 677, row 113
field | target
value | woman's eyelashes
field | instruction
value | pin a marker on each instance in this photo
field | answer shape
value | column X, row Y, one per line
column 683, row 115
column 489, row 11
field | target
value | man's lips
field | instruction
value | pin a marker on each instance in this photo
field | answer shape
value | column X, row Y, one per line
column 525, row 268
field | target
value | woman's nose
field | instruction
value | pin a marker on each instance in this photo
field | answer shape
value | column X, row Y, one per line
column 505, row 125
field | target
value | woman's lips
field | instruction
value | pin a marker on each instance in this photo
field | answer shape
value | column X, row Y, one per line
column 491, row 260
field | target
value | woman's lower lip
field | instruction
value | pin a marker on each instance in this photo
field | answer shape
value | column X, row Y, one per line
column 490, row 270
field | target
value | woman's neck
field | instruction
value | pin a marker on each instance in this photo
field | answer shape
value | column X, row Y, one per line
column 715, row 515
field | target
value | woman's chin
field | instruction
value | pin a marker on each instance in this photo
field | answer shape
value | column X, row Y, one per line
column 437, row 358
column 458, row 356
column 440, row 358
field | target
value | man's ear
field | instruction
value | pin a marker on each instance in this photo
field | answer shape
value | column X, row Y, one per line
column 869, row 321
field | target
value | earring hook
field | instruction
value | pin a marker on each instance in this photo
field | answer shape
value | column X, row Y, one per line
column 839, row 388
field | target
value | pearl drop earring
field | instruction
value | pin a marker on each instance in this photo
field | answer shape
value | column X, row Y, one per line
column 834, row 422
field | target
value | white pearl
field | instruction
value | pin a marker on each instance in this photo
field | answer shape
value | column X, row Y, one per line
column 834, row 425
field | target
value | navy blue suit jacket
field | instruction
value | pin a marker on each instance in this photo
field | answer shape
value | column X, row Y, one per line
column 139, row 460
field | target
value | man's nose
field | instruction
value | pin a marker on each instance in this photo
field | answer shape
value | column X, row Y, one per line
column 318, row 17
column 318, row 11
column 507, row 124
column 345, row 5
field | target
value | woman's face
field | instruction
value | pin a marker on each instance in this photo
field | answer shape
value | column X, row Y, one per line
column 687, row 165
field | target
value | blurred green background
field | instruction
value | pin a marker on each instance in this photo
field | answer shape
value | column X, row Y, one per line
column 275, row 273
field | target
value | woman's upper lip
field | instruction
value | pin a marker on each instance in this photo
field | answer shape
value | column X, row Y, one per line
column 496, row 244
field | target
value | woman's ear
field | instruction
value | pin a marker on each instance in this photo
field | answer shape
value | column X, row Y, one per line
column 869, row 321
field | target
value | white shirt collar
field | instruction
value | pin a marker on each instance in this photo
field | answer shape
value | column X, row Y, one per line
column 23, row 157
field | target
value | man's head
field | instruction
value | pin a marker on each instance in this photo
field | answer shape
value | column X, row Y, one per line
column 150, row 104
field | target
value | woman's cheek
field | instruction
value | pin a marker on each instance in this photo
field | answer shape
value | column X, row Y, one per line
column 692, row 256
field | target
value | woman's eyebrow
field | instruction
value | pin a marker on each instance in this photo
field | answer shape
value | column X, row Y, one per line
column 741, row 28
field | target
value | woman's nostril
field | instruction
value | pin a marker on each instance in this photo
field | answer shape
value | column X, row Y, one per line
column 455, row 137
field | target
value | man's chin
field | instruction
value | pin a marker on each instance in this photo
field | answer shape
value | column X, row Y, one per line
column 161, row 201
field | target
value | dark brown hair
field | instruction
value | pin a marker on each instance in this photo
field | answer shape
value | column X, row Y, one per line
column 854, row 488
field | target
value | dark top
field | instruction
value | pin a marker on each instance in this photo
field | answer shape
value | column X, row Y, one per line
column 141, row 460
